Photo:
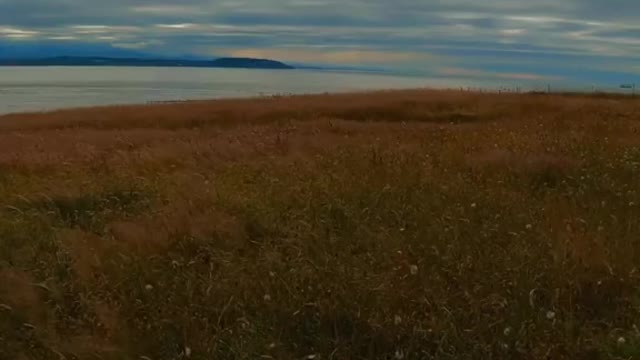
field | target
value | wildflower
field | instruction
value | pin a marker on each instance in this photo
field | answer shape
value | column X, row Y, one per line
column 267, row 297
column 148, row 287
column 187, row 351
column 529, row 226
column 621, row 341
column 311, row 357
column 473, row 206
column 551, row 315
column 413, row 269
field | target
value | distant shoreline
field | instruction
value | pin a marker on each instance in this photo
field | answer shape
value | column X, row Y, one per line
column 252, row 100
column 228, row 63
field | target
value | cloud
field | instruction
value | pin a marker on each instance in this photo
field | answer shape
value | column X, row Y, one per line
column 176, row 26
column 136, row 45
column 165, row 10
column 63, row 38
column 351, row 57
column 103, row 29
column 513, row 32
column 528, row 36
column 14, row 33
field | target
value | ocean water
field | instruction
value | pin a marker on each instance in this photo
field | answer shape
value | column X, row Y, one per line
column 28, row 89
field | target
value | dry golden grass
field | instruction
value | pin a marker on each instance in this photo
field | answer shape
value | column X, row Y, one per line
column 386, row 225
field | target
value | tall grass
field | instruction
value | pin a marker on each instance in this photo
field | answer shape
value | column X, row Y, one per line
column 392, row 225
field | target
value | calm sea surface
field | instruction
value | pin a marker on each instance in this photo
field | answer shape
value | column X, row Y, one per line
column 47, row 88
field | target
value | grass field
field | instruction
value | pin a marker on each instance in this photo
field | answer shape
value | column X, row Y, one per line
column 390, row 225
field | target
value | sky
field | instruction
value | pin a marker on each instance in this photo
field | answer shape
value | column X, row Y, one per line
column 590, row 41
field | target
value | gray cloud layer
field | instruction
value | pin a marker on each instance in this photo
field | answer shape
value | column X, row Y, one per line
column 434, row 34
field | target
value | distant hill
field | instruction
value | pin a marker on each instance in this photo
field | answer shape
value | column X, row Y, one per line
column 45, row 49
column 232, row 62
column 227, row 62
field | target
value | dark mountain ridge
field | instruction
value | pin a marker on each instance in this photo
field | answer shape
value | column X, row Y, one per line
column 226, row 62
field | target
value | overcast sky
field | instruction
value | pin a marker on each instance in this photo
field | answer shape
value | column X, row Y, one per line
column 587, row 40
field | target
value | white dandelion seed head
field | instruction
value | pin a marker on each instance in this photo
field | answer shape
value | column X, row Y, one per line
column 621, row 341
column 413, row 269
column 551, row 315
column 507, row 331
column 267, row 297
column 399, row 354
column 148, row 287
